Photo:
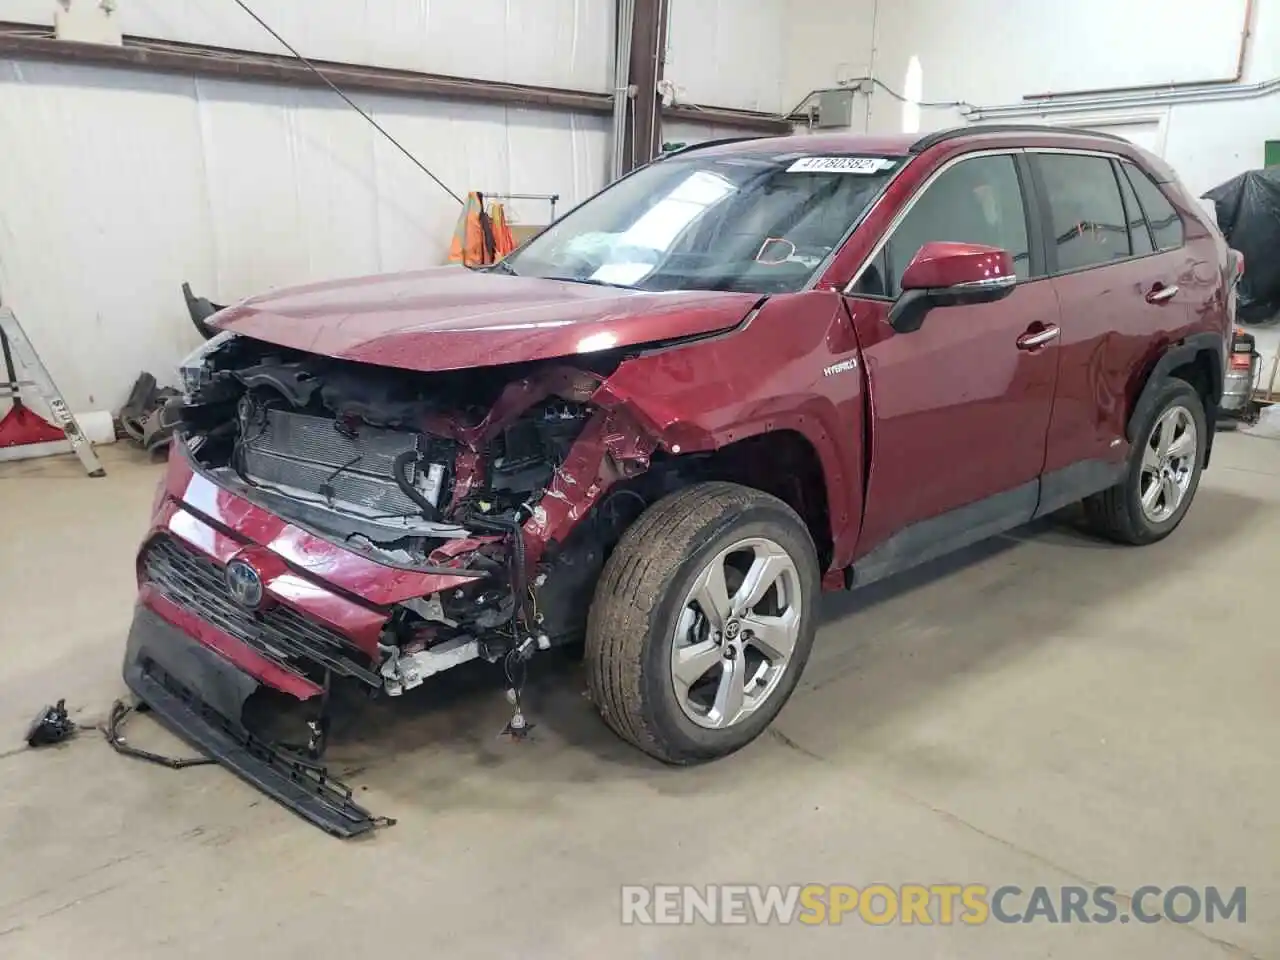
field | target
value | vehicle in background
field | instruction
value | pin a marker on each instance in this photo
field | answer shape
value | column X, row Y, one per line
column 1243, row 366
column 747, row 371
column 1244, row 363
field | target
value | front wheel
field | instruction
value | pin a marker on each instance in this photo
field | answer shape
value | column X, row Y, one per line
column 702, row 622
column 1163, row 475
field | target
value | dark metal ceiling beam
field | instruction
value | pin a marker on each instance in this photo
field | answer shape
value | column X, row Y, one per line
column 748, row 121
column 25, row 42
column 217, row 62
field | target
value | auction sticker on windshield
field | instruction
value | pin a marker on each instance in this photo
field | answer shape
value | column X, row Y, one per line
column 840, row 165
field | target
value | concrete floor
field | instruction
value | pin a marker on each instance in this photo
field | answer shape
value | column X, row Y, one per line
column 1042, row 710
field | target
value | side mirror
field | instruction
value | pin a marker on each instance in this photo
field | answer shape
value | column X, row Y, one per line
column 950, row 275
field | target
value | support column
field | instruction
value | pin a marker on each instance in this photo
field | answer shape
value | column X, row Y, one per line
column 648, row 51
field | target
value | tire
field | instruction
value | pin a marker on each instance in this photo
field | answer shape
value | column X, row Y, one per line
column 645, row 597
column 1118, row 513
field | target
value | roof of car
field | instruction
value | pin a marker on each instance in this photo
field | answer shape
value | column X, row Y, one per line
column 900, row 144
column 1013, row 130
column 806, row 143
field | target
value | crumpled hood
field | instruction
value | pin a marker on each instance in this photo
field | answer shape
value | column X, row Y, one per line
column 450, row 318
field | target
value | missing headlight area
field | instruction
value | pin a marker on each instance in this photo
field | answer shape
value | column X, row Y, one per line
column 515, row 480
column 392, row 461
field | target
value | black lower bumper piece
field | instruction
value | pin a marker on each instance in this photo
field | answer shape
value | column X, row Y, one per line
column 197, row 705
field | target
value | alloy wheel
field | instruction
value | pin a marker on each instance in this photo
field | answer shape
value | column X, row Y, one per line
column 736, row 633
column 1168, row 464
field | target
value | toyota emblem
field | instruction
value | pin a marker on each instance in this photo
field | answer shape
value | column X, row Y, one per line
column 244, row 584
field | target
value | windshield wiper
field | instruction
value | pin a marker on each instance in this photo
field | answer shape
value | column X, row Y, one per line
column 592, row 281
column 502, row 267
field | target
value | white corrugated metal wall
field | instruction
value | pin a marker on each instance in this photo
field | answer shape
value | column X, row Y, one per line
column 728, row 52
column 555, row 43
column 124, row 184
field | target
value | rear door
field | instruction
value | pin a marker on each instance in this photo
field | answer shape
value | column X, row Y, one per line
column 959, row 408
column 1122, row 285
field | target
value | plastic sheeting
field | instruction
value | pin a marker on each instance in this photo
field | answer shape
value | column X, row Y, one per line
column 1248, row 209
column 729, row 53
column 117, row 186
column 556, row 43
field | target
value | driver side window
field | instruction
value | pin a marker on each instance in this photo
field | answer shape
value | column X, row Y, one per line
column 975, row 201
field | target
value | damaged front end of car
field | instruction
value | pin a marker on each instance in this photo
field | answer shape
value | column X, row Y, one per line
column 325, row 519
column 476, row 475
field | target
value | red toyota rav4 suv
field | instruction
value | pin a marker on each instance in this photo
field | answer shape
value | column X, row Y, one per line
column 748, row 370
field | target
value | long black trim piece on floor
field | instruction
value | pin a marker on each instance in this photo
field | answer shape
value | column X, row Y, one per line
column 304, row 788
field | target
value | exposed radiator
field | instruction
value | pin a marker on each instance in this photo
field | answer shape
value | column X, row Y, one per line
column 312, row 454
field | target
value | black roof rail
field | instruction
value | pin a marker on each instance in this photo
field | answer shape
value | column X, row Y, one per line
column 977, row 129
column 705, row 143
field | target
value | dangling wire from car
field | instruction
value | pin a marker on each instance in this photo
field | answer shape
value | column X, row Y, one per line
column 113, row 730
column 351, row 103
column 515, row 661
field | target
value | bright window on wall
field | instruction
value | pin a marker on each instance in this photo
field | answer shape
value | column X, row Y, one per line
column 913, row 92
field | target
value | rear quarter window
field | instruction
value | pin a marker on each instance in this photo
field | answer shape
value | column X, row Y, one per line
column 1139, row 235
column 1166, row 225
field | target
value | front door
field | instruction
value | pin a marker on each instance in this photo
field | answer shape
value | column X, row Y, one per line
column 960, row 407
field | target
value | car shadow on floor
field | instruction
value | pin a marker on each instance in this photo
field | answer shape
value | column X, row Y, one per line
column 442, row 743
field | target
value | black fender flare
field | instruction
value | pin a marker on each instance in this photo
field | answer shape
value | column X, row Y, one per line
column 1179, row 353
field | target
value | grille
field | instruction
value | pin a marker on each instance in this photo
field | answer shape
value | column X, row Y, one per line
column 307, row 453
column 195, row 583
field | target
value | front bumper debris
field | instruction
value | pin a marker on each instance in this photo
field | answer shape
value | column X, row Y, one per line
column 200, row 696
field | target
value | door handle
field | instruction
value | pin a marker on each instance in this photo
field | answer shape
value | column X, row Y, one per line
column 1162, row 294
column 1032, row 340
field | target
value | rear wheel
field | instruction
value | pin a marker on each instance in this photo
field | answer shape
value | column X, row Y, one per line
column 1163, row 475
column 702, row 622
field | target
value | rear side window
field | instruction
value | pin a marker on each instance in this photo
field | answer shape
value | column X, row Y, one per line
column 1087, row 214
column 1166, row 225
column 1139, row 235
column 976, row 201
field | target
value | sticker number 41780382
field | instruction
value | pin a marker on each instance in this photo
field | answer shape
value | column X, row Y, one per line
column 840, row 165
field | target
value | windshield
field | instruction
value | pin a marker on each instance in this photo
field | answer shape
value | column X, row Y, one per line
column 750, row 223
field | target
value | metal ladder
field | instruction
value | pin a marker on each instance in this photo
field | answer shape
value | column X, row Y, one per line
column 14, row 340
